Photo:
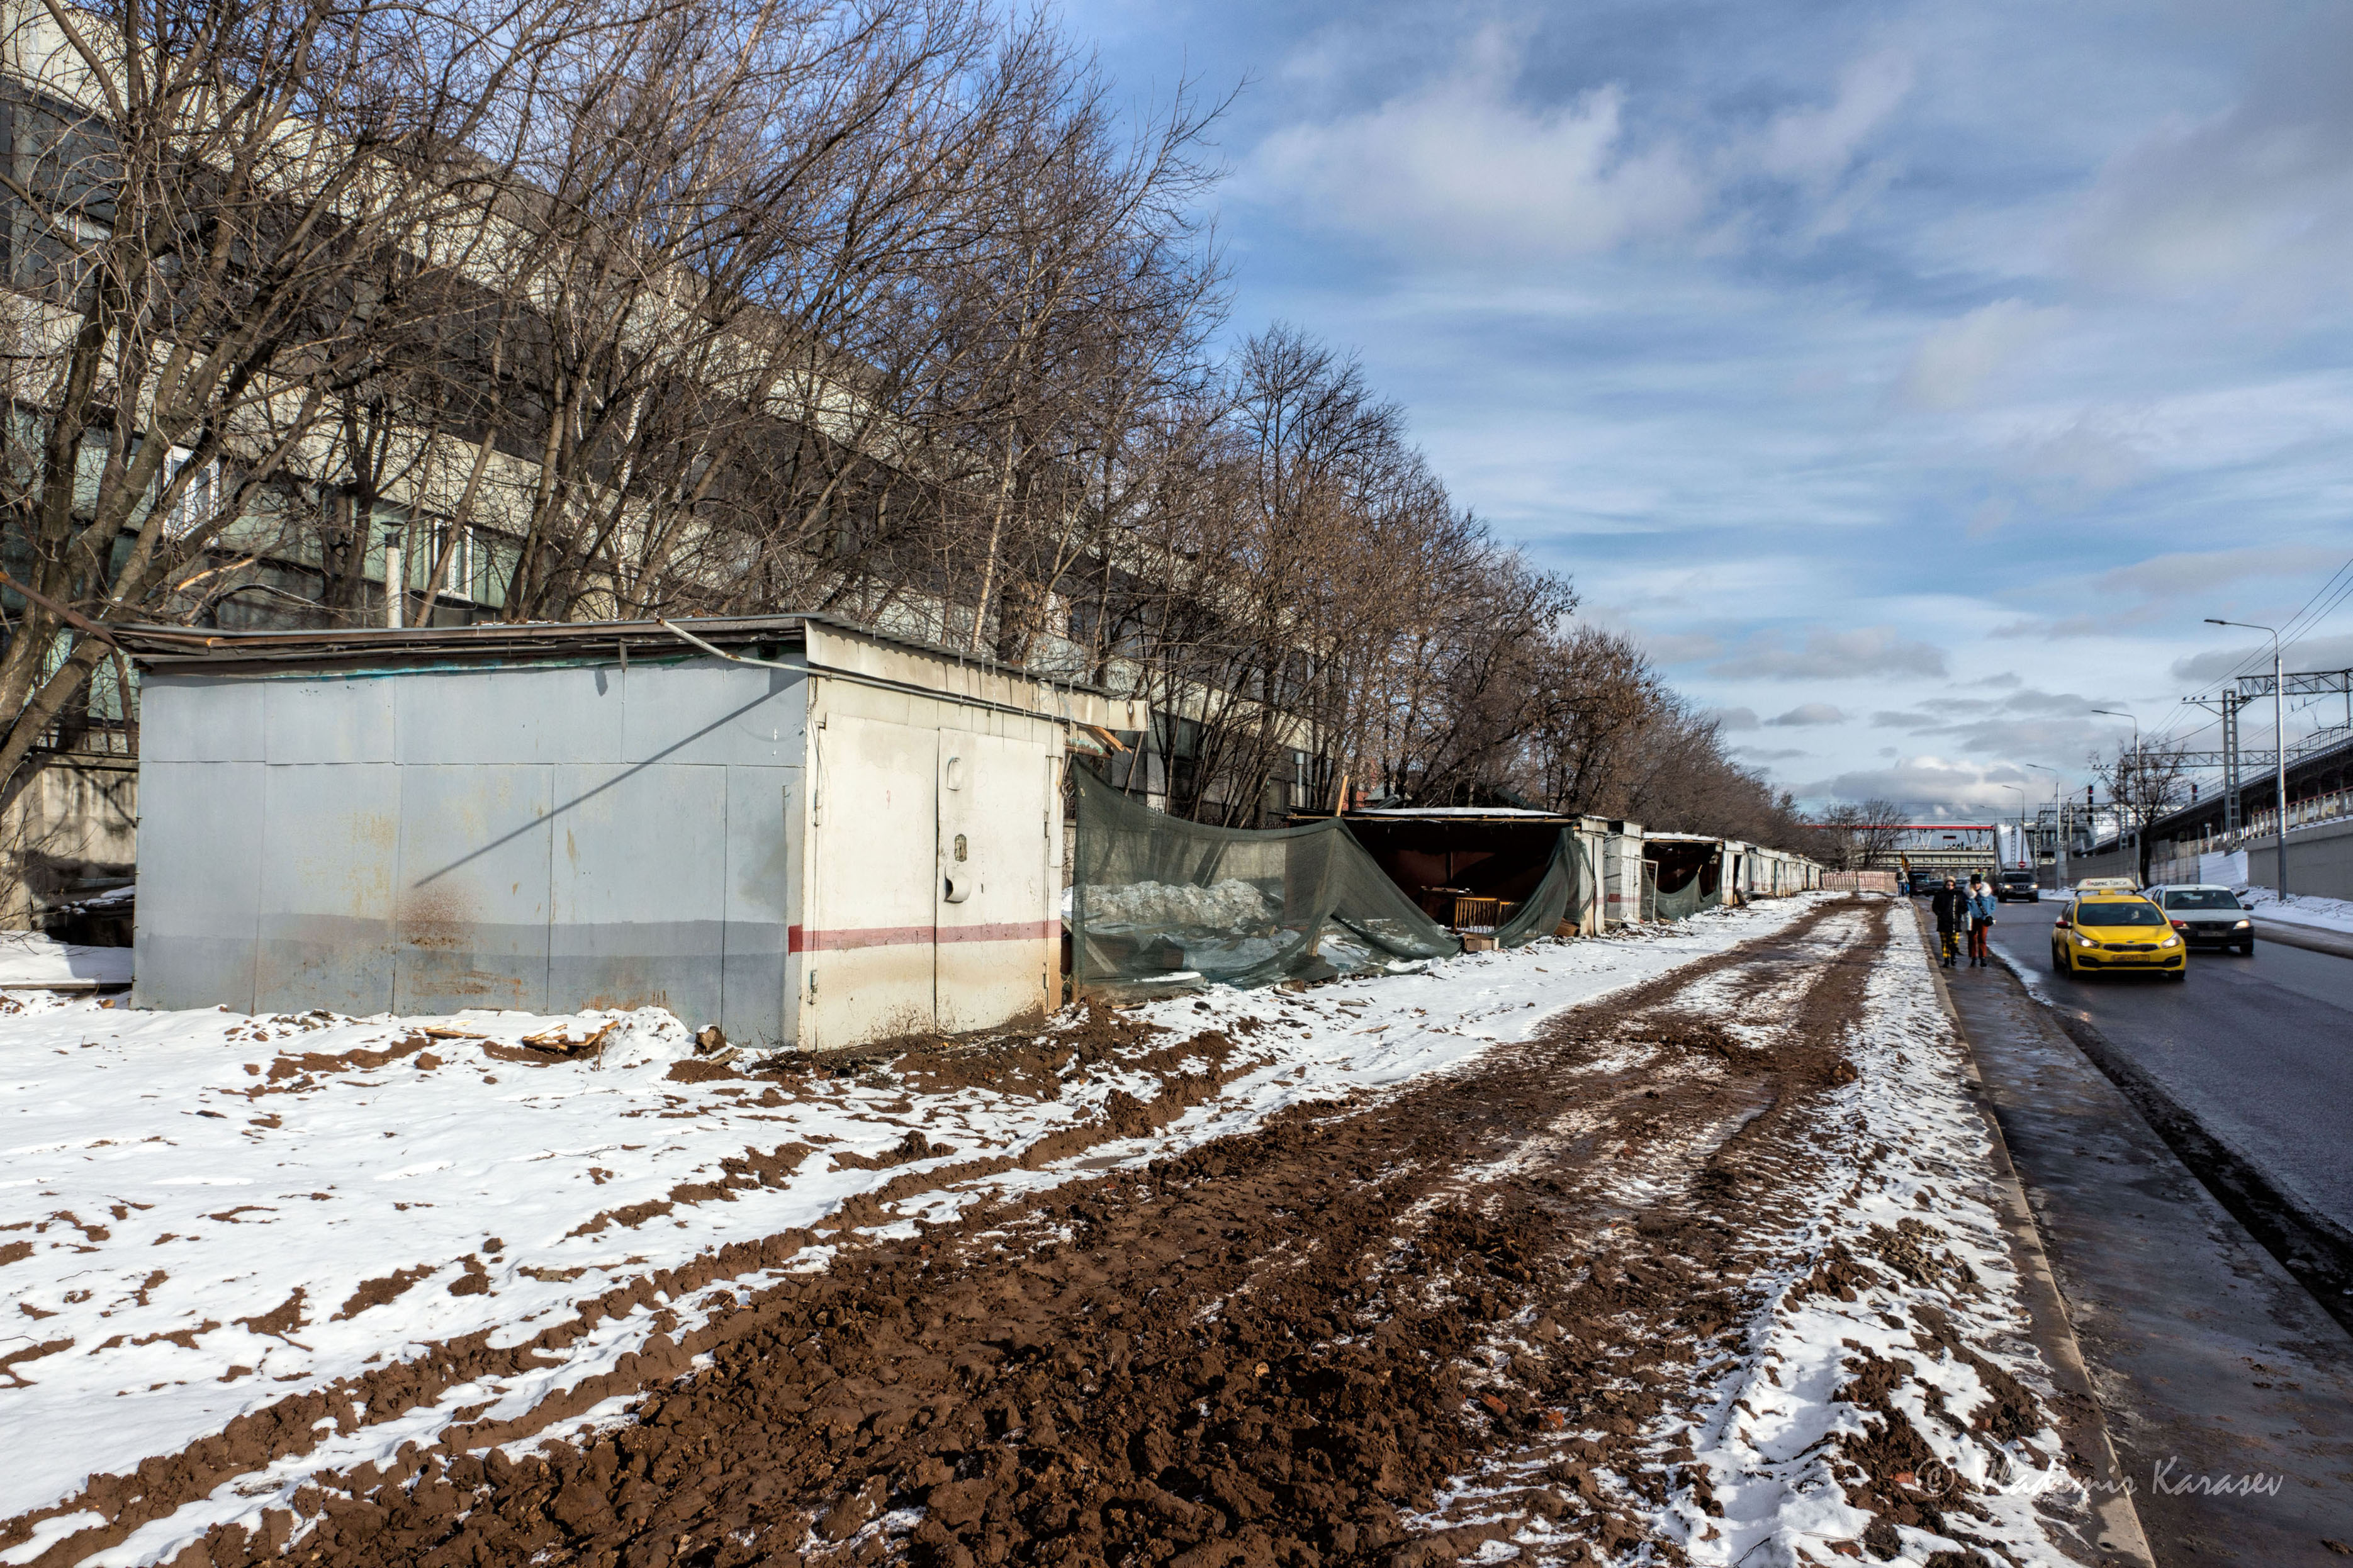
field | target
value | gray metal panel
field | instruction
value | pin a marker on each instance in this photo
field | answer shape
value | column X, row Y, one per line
column 199, row 863
column 470, row 915
column 711, row 712
column 196, row 719
column 763, row 822
column 328, row 719
column 509, row 716
column 329, row 860
column 637, row 889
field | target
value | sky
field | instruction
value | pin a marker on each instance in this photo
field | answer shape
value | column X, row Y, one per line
column 1911, row 380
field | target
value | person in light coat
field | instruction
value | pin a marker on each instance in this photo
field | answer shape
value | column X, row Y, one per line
column 1981, row 909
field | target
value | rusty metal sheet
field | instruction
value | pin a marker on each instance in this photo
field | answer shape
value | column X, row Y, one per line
column 471, row 915
column 636, row 892
column 541, row 837
column 329, row 860
column 199, row 883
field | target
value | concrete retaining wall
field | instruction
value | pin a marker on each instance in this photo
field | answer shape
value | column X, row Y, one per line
column 2319, row 861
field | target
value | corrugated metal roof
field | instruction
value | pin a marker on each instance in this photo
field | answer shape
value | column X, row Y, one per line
column 186, row 648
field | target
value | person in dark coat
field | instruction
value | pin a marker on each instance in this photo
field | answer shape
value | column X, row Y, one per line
column 1951, row 908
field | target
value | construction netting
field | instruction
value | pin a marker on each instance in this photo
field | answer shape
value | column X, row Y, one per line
column 1681, row 903
column 1161, row 904
column 1565, row 886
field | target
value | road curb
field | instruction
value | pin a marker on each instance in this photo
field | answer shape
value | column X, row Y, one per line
column 2313, row 1247
column 2335, row 943
column 2120, row 1531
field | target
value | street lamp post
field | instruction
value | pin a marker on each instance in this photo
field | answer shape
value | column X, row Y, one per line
column 2279, row 737
column 2122, row 774
column 2058, row 828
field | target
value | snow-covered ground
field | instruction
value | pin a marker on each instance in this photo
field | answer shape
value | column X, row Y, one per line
column 202, row 1214
column 28, row 958
column 2298, row 909
column 1906, row 1191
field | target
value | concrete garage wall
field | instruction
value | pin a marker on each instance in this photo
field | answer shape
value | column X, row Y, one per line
column 545, row 838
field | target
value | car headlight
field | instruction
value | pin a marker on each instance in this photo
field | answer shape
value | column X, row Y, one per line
column 2242, row 925
column 2081, row 940
column 2170, row 941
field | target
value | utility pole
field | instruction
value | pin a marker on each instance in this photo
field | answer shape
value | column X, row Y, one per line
column 2279, row 737
column 2227, row 703
column 2131, row 777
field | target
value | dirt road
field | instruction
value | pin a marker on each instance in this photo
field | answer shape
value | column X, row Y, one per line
column 1510, row 1303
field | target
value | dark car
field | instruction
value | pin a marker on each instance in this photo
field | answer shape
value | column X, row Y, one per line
column 2207, row 915
column 2017, row 887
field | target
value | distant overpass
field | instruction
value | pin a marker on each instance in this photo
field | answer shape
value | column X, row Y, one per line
column 1940, row 849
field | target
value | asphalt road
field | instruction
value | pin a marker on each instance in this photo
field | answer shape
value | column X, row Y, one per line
column 2258, row 1051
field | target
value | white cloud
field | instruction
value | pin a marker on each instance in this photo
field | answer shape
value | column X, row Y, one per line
column 1813, row 145
column 1831, row 655
column 1457, row 165
column 2256, row 202
column 2169, row 576
column 1461, row 164
column 1733, row 718
column 1954, row 361
column 1807, row 714
column 1929, row 785
column 1679, row 647
column 2255, row 657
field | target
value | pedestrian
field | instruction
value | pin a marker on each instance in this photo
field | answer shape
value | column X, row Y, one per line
column 1951, row 908
column 1982, row 907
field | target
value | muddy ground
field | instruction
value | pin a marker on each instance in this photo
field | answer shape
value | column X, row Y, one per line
column 1300, row 1346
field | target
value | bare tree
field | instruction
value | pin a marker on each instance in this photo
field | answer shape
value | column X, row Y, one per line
column 2145, row 782
column 1861, row 835
column 221, row 217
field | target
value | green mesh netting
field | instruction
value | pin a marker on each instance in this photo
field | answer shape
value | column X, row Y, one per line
column 1564, row 883
column 1161, row 904
column 1681, row 903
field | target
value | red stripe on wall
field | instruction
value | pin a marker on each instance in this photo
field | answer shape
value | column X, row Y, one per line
column 1004, row 931
column 804, row 941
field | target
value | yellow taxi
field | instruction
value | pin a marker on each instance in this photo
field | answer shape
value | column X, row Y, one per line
column 2117, row 931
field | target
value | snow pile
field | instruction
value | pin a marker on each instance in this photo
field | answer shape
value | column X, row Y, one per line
column 209, row 1213
column 1229, row 905
column 1933, row 1331
column 2297, row 909
column 29, row 958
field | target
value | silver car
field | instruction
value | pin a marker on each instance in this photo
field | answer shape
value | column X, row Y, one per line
column 2206, row 915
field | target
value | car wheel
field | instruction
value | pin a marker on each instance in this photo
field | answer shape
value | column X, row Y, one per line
column 2247, row 948
column 2177, row 975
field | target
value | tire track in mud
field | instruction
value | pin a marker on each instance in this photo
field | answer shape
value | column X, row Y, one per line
column 1282, row 1347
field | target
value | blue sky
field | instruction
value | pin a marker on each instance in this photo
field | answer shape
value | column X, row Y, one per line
column 1911, row 379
